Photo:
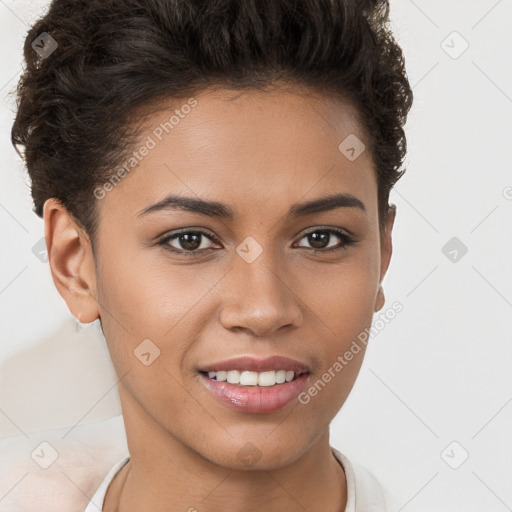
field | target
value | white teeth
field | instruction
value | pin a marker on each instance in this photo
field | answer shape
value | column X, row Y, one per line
column 233, row 377
column 248, row 378
column 266, row 378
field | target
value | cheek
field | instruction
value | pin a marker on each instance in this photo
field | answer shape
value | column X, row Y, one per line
column 148, row 293
column 153, row 299
column 340, row 300
column 342, row 296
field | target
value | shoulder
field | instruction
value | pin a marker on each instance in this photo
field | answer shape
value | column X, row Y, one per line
column 58, row 470
column 364, row 492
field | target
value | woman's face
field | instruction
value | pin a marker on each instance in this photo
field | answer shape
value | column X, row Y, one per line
column 259, row 282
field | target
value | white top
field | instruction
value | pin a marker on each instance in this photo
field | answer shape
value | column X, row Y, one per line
column 364, row 492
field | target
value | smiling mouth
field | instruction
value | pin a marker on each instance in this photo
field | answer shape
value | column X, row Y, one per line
column 254, row 379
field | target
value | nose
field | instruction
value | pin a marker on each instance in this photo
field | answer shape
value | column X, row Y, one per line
column 257, row 297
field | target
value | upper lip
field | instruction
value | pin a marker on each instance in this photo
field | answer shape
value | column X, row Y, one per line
column 257, row 365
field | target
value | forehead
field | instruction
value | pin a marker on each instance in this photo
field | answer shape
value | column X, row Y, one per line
column 253, row 150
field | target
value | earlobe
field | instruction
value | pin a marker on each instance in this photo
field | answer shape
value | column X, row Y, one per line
column 71, row 261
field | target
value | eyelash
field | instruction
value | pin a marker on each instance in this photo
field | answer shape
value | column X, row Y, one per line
column 346, row 241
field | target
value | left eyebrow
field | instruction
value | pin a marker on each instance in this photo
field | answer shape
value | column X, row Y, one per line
column 326, row 203
column 216, row 209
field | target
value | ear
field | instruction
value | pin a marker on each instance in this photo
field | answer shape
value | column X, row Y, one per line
column 386, row 249
column 71, row 261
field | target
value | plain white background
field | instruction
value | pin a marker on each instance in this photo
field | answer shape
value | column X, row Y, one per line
column 435, row 387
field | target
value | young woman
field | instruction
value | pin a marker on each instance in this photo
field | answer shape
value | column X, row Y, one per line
column 214, row 179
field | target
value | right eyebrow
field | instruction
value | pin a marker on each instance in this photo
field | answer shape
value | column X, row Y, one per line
column 173, row 202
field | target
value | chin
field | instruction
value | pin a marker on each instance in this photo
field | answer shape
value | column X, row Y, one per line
column 260, row 453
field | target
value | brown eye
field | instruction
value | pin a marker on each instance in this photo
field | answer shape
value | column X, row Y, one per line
column 320, row 239
column 189, row 243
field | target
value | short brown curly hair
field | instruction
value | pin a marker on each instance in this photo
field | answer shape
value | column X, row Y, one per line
column 76, row 105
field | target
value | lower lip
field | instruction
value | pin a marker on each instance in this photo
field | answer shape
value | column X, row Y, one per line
column 256, row 399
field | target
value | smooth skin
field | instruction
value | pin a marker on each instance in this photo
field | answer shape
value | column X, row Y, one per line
column 259, row 153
